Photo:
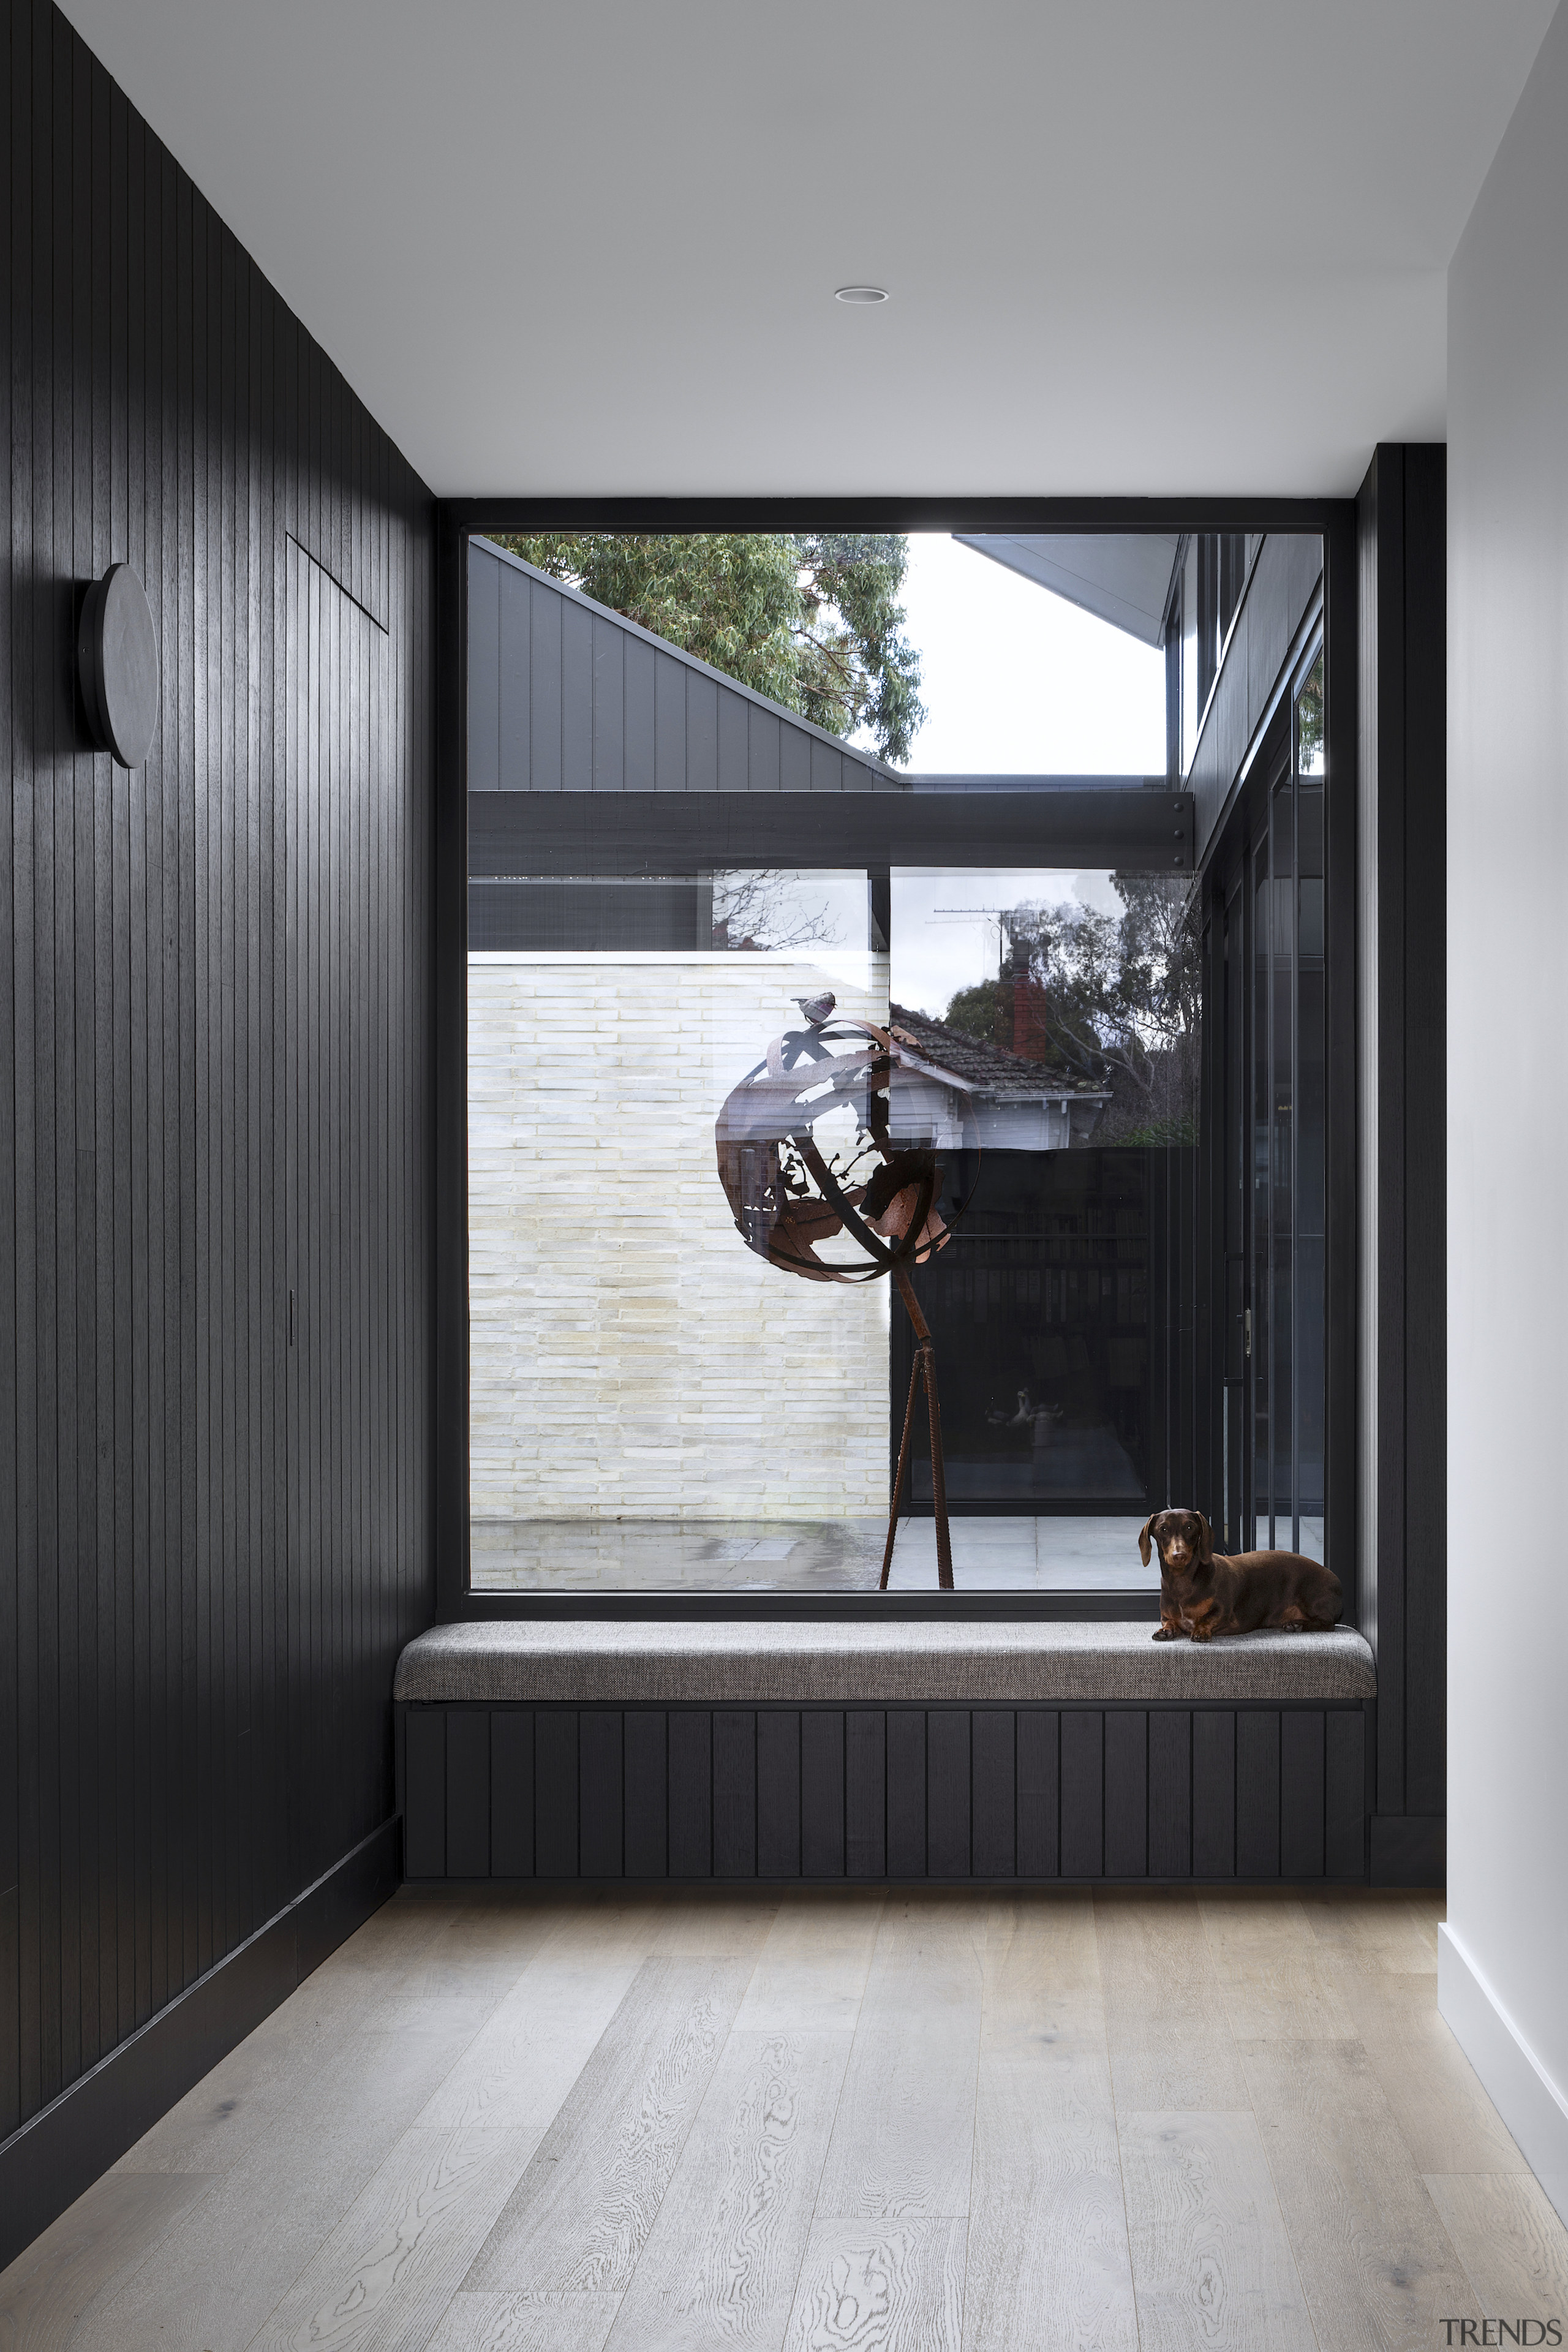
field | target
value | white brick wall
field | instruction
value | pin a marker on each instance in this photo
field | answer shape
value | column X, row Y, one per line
column 630, row 1357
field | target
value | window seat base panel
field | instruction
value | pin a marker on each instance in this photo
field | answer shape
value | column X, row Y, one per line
column 824, row 1793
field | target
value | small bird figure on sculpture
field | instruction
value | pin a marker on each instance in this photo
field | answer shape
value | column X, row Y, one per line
column 817, row 1010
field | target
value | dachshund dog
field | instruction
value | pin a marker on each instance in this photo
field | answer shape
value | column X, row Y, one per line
column 1203, row 1592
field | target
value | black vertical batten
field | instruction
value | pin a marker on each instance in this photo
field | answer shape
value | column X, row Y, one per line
column 555, row 1793
column 994, row 1834
column 424, row 1818
column 1257, row 1794
column 734, row 1793
column 906, row 1770
column 690, row 1794
column 866, row 1746
column 822, row 1793
column 1126, row 1793
column 1213, row 1793
column 1082, row 1792
column 947, row 1792
column 215, row 1070
column 1040, row 1799
column 778, row 1821
column 648, row 1794
column 1170, row 1792
column 511, row 1793
column 601, row 1793
column 1301, row 1794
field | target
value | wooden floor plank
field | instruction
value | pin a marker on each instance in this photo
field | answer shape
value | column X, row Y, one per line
column 223, row 2116
column 485, row 1941
column 89, row 2253
column 1049, row 2259
column 406, row 1924
column 363, row 1987
column 718, row 2273
column 1374, row 2260
column 1448, row 2123
column 1172, row 2050
column 545, row 2321
column 1506, row 2231
column 1275, row 1980
column 811, row 1972
column 578, row 2218
column 714, row 1924
column 1428, row 1910
column 903, row 2143
column 1039, row 1958
column 607, row 1925
column 219, row 2274
column 531, row 2049
column 1211, row 2263
column 384, row 2277
column 897, row 2286
column 1370, row 1927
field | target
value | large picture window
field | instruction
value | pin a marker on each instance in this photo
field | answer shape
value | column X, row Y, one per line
column 671, row 873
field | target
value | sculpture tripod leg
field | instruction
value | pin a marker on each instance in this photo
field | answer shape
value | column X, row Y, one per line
column 924, row 1369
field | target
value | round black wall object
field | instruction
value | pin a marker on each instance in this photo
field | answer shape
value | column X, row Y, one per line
column 117, row 658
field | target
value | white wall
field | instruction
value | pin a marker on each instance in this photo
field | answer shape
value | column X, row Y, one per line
column 1504, row 1966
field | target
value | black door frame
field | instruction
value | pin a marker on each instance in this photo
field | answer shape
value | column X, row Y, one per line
column 456, row 519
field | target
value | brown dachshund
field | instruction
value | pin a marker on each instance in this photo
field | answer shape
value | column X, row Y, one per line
column 1203, row 1592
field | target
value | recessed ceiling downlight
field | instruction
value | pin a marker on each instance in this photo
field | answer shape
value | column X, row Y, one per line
column 860, row 294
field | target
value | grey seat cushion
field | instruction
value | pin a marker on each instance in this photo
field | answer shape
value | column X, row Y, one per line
column 727, row 1663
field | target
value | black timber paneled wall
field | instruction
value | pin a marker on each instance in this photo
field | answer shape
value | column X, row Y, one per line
column 1402, row 531
column 824, row 1794
column 215, row 1252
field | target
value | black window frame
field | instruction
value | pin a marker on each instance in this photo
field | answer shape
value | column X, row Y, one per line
column 456, row 520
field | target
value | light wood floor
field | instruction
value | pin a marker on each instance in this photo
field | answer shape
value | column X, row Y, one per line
column 978, row 2122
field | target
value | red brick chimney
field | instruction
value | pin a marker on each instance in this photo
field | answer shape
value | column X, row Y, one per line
column 1029, row 1038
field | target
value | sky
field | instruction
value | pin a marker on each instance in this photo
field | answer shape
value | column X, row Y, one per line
column 1016, row 681
column 938, row 946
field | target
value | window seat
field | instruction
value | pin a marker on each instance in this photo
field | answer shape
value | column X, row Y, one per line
column 832, row 1750
column 599, row 1662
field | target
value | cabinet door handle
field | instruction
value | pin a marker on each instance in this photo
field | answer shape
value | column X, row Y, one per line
column 1246, row 1331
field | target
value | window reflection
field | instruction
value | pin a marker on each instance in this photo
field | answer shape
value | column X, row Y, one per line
column 651, row 1403
column 1286, row 1366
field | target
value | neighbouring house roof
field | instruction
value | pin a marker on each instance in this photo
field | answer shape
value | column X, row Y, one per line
column 990, row 1070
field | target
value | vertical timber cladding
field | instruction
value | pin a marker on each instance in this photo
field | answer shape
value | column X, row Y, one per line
column 1402, row 533
column 216, row 1085
column 836, row 1793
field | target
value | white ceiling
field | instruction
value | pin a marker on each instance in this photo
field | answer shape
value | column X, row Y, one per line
column 1131, row 246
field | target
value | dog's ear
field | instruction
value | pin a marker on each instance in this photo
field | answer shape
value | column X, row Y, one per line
column 1144, row 1538
column 1206, row 1548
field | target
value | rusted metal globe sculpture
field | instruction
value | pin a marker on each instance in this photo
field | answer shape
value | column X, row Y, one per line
column 832, row 1152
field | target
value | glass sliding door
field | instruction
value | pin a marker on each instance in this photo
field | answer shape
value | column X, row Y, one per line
column 1275, row 1078
column 1064, row 1305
